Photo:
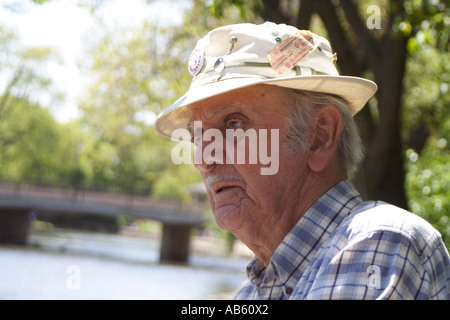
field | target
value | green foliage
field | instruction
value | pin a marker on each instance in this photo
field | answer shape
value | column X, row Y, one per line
column 428, row 185
column 425, row 117
column 219, row 8
column 40, row 1
column 32, row 144
column 136, row 76
column 23, row 69
column 172, row 183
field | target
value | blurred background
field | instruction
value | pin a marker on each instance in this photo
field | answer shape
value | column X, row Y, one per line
column 91, row 207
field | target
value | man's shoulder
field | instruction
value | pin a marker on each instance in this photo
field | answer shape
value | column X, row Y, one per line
column 379, row 217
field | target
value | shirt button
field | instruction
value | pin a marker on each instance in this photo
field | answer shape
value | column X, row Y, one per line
column 288, row 290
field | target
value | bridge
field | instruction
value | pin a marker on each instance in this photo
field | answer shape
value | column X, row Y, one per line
column 19, row 199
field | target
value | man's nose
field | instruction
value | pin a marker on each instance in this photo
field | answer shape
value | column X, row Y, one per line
column 207, row 154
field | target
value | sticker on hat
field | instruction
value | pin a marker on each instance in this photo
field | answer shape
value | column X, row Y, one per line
column 286, row 55
column 196, row 61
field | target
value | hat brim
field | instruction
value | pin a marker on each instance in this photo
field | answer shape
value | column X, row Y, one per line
column 357, row 91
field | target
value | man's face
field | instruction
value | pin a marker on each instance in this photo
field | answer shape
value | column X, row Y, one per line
column 241, row 198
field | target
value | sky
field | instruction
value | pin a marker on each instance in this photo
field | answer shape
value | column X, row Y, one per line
column 63, row 24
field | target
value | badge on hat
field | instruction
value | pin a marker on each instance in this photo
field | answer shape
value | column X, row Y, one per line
column 196, row 61
column 290, row 52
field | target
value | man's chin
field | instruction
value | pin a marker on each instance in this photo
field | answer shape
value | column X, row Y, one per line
column 227, row 217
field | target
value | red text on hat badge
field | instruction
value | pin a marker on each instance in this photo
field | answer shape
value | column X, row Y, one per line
column 285, row 56
column 196, row 61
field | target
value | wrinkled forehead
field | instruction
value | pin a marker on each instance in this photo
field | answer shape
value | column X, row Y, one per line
column 255, row 100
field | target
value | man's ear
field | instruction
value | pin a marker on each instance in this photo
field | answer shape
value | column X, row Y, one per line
column 326, row 131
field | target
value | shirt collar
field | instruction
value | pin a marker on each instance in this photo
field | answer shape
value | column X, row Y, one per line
column 300, row 245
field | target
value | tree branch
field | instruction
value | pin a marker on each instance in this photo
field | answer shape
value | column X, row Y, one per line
column 272, row 12
column 364, row 39
column 4, row 97
column 304, row 15
column 347, row 60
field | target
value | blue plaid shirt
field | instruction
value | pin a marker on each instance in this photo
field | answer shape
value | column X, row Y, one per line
column 343, row 248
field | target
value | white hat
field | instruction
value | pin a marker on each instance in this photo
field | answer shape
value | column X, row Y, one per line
column 242, row 55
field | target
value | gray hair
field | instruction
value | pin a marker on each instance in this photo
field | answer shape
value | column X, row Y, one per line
column 301, row 106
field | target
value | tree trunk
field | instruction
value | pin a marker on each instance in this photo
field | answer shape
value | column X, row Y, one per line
column 384, row 172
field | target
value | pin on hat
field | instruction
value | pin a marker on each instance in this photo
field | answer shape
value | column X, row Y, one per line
column 237, row 56
column 196, row 61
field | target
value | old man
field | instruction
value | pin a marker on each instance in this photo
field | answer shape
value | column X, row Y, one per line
column 276, row 88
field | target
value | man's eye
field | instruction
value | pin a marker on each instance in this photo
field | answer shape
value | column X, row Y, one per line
column 196, row 140
column 196, row 136
column 234, row 123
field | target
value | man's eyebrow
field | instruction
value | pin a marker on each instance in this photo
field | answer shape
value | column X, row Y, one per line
column 190, row 126
column 217, row 112
column 227, row 108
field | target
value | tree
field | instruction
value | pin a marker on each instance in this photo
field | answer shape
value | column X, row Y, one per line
column 427, row 128
column 32, row 143
column 133, row 73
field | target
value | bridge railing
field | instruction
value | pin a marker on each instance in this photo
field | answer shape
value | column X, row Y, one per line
column 79, row 193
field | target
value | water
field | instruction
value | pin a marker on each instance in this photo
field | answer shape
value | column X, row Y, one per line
column 76, row 265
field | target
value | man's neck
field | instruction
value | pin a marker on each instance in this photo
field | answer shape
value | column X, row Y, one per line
column 271, row 235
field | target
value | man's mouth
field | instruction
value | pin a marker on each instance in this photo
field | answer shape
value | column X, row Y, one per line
column 224, row 188
column 220, row 189
column 219, row 183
